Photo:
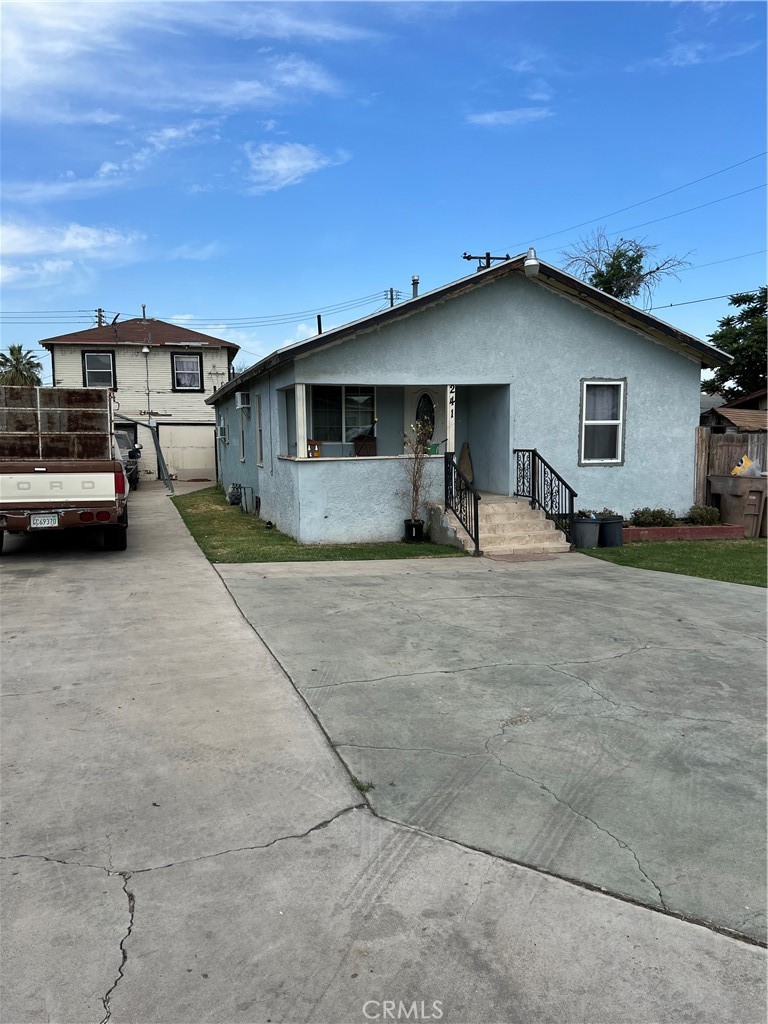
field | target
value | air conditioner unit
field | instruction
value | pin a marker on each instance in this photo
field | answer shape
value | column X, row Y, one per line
column 221, row 433
column 242, row 400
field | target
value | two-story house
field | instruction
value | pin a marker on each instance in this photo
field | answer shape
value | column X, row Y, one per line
column 161, row 374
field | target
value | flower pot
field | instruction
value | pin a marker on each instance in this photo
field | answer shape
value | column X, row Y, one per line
column 414, row 531
column 586, row 532
column 610, row 535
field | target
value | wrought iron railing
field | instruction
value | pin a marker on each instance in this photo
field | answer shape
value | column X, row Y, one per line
column 462, row 499
column 546, row 488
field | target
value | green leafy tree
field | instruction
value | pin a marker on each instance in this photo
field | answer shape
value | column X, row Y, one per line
column 626, row 268
column 20, row 367
column 743, row 336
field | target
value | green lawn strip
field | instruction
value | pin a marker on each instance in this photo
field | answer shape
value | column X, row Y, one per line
column 226, row 534
column 733, row 561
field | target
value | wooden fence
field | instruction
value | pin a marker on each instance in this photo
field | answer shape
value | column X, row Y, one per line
column 719, row 453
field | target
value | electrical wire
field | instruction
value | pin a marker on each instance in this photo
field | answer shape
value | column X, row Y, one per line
column 632, row 206
column 710, row 298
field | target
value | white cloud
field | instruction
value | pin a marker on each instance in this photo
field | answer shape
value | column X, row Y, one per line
column 539, row 91
column 693, row 53
column 195, row 252
column 276, row 165
column 57, row 57
column 517, row 116
column 29, row 239
column 110, row 173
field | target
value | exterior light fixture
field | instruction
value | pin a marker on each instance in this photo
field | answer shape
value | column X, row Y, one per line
column 531, row 265
column 145, row 351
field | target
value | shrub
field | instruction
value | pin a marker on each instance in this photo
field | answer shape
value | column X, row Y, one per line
column 606, row 513
column 703, row 515
column 652, row 517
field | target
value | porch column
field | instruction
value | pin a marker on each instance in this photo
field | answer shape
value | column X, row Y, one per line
column 301, row 421
column 450, row 417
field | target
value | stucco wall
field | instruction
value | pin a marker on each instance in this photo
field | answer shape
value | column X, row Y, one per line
column 358, row 499
column 519, row 331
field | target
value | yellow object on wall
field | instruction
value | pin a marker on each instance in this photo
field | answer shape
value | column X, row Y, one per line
column 741, row 466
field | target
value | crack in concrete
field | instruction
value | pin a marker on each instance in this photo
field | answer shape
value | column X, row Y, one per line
column 581, row 814
column 107, row 999
column 192, row 860
column 636, row 707
column 418, row 750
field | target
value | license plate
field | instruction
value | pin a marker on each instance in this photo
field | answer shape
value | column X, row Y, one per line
column 39, row 522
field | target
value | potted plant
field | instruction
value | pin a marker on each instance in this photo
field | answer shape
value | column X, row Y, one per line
column 611, row 524
column 415, row 446
column 586, row 529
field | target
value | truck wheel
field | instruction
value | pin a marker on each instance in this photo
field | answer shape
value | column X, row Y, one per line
column 115, row 538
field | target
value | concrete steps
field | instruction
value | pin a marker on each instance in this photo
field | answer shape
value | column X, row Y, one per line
column 509, row 526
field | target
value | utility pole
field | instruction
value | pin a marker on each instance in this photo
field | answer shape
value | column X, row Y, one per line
column 100, row 316
column 484, row 262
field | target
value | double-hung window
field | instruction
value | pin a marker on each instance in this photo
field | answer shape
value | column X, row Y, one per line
column 602, row 422
column 98, row 369
column 187, row 371
column 342, row 413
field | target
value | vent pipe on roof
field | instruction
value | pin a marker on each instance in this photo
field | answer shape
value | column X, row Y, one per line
column 143, row 312
column 415, row 285
column 319, row 324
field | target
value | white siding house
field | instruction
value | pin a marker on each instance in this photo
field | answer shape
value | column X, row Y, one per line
column 161, row 375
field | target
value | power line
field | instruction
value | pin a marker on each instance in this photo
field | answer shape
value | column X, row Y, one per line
column 710, row 298
column 728, row 259
column 632, row 206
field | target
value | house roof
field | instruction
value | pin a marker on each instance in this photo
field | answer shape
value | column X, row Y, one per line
column 744, row 419
column 708, row 402
column 548, row 276
column 139, row 332
column 748, row 400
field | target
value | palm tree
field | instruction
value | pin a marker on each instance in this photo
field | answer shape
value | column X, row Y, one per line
column 20, row 367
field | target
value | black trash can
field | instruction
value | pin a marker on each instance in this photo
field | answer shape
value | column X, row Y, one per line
column 585, row 532
column 610, row 532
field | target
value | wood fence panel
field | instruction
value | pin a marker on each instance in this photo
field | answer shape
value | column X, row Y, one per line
column 719, row 453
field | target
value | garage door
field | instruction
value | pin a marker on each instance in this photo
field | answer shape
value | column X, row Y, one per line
column 189, row 450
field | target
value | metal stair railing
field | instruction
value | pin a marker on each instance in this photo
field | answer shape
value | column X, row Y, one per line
column 462, row 499
column 547, row 490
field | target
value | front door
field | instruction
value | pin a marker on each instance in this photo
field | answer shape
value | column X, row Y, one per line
column 426, row 402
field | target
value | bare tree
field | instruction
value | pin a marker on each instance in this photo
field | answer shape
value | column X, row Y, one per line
column 626, row 268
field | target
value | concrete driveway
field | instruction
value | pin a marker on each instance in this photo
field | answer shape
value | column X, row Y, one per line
column 600, row 723
column 181, row 843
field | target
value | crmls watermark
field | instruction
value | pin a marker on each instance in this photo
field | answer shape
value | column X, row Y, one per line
column 391, row 1009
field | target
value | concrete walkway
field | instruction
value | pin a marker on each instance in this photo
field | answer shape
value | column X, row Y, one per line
column 181, row 844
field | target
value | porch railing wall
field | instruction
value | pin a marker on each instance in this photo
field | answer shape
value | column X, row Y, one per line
column 462, row 499
column 537, row 480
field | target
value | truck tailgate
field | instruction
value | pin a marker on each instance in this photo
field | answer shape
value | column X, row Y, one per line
column 88, row 484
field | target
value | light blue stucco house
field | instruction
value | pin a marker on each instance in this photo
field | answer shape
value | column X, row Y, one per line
column 515, row 357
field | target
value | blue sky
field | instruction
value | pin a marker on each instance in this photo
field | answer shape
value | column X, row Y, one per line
column 232, row 164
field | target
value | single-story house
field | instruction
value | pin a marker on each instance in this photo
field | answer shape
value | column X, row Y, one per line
column 748, row 414
column 516, row 357
column 161, row 373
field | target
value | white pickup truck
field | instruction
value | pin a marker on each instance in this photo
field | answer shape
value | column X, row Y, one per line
column 60, row 466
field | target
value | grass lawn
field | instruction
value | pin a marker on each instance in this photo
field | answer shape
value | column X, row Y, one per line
column 226, row 534
column 735, row 561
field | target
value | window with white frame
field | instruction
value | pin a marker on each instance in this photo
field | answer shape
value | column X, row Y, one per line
column 342, row 412
column 242, row 435
column 99, row 369
column 187, row 371
column 602, row 422
column 259, row 431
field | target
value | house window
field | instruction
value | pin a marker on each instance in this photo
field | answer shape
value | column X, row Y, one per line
column 187, row 372
column 259, row 432
column 602, row 422
column 242, row 435
column 99, row 370
column 342, row 413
